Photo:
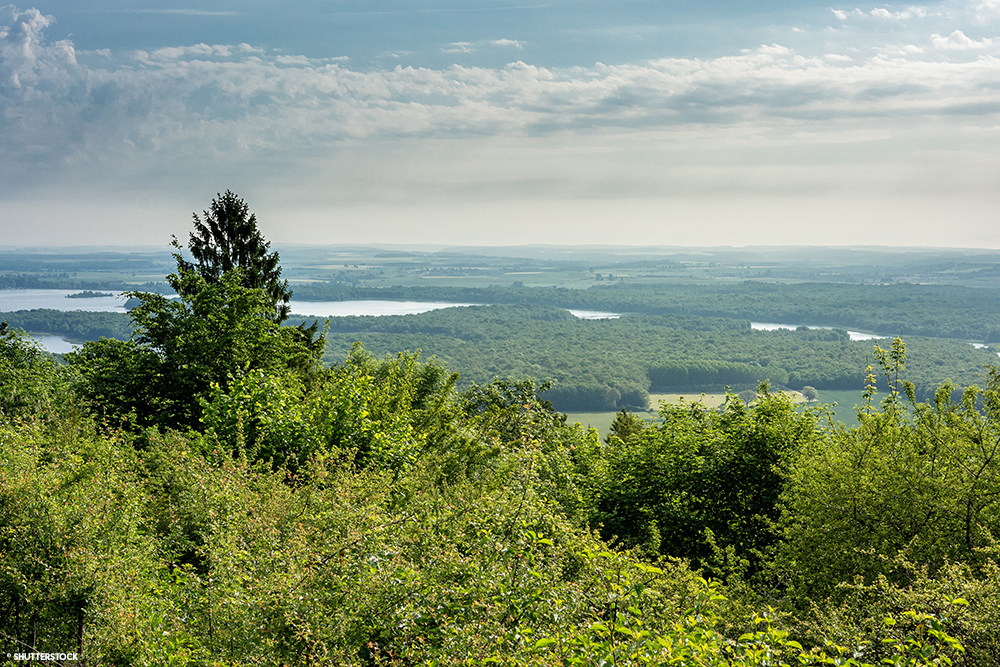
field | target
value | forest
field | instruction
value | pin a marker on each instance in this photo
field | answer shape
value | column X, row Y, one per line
column 945, row 311
column 76, row 325
column 598, row 364
column 613, row 363
column 207, row 492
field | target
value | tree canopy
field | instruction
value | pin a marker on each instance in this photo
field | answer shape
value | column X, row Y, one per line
column 227, row 238
column 225, row 325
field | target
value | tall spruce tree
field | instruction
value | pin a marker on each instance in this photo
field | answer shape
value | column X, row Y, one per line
column 227, row 238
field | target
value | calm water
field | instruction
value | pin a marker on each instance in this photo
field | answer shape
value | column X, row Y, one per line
column 770, row 326
column 55, row 344
column 349, row 308
column 373, row 307
column 53, row 299
column 595, row 315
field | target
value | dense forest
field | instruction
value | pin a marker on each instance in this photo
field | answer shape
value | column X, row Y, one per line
column 902, row 309
column 76, row 325
column 207, row 492
column 598, row 364
column 612, row 363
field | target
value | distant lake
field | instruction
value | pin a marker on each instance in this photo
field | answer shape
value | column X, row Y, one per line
column 770, row 326
column 55, row 344
column 373, row 307
column 55, row 299
column 595, row 315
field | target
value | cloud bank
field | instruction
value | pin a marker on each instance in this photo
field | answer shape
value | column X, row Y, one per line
column 61, row 106
column 917, row 108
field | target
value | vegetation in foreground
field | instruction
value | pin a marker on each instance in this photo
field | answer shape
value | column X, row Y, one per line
column 206, row 493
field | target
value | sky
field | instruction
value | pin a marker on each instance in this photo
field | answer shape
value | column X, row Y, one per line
column 508, row 122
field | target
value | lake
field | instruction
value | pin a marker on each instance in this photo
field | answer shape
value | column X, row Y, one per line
column 771, row 326
column 55, row 299
column 377, row 308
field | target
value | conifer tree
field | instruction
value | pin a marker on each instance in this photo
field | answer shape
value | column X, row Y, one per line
column 227, row 238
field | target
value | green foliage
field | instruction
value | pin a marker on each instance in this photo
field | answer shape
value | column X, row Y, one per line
column 225, row 326
column 625, row 637
column 72, row 550
column 30, row 381
column 179, row 348
column 963, row 603
column 376, row 413
column 227, row 239
column 372, row 513
column 610, row 364
column 626, row 428
column 920, row 480
column 401, row 522
column 703, row 484
column 120, row 380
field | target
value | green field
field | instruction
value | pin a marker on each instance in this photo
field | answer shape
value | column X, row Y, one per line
column 602, row 420
column 845, row 400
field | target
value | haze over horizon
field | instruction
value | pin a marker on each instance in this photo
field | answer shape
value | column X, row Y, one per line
column 499, row 123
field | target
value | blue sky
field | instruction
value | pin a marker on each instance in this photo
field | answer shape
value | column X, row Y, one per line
column 668, row 123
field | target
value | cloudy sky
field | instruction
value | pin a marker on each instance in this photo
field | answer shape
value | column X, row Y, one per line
column 721, row 122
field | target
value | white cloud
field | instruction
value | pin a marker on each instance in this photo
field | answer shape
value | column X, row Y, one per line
column 23, row 55
column 774, row 50
column 197, row 50
column 294, row 60
column 226, row 103
column 912, row 11
column 864, row 110
column 844, row 15
column 986, row 10
column 507, row 42
column 897, row 50
column 460, row 47
column 958, row 41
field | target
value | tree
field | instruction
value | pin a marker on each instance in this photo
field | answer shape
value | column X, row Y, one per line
column 29, row 381
column 227, row 239
column 705, row 484
column 626, row 427
column 919, row 481
column 214, row 334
